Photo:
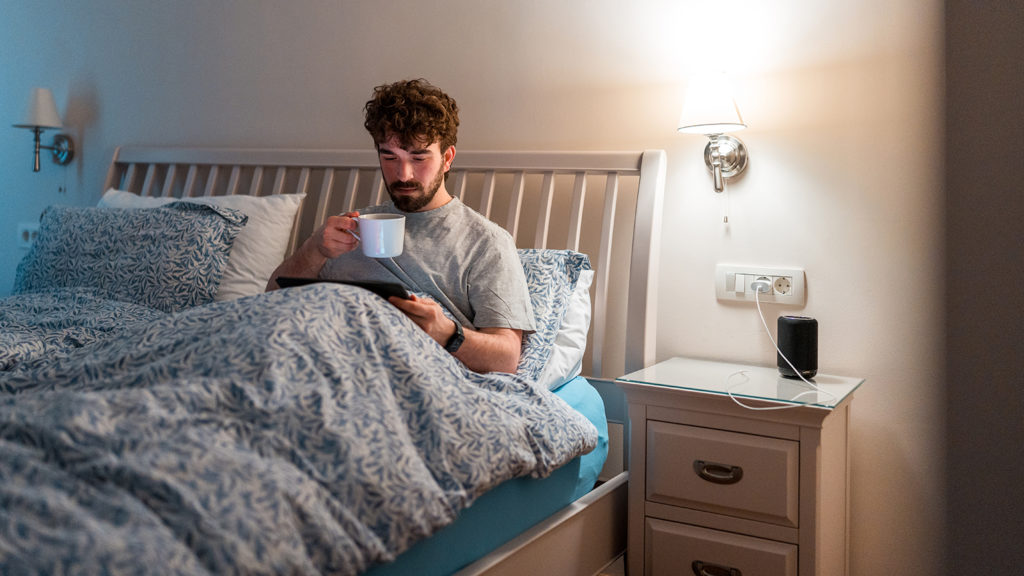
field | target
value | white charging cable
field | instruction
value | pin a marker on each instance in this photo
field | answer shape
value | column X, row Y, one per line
column 760, row 286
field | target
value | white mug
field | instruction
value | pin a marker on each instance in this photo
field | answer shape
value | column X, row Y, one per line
column 381, row 235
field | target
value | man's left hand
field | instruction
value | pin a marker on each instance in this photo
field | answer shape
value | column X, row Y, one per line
column 483, row 350
column 427, row 314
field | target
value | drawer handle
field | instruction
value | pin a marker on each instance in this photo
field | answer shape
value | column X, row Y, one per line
column 706, row 569
column 718, row 473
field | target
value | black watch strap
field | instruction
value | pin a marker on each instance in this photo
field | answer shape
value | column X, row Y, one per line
column 455, row 342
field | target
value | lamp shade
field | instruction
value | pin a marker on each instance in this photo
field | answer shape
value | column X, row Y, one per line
column 709, row 107
column 41, row 111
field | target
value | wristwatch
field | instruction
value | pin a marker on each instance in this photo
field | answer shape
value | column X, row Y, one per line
column 456, row 340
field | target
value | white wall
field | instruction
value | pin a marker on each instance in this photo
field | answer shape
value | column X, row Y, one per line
column 843, row 100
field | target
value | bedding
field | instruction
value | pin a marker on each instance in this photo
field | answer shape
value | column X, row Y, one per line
column 552, row 277
column 43, row 324
column 308, row 429
column 512, row 507
column 566, row 359
column 169, row 258
column 259, row 247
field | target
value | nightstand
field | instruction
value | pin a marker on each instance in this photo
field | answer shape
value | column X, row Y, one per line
column 716, row 488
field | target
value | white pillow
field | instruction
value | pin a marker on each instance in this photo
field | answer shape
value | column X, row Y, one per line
column 566, row 361
column 260, row 246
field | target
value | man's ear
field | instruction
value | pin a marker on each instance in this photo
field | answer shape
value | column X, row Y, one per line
column 449, row 155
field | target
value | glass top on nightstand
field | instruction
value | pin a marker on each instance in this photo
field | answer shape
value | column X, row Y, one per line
column 742, row 381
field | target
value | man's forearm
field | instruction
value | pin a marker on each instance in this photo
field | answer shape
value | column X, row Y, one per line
column 491, row 350
column 306, row 262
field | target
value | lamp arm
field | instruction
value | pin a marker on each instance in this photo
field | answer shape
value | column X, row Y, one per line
column 63, row 149
column 35, row 149
column 716, row 163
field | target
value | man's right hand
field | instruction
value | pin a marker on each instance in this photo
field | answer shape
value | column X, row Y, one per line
column 335, row 237
column 331, row 240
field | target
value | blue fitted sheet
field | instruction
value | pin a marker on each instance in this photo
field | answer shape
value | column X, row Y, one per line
column 512, row 507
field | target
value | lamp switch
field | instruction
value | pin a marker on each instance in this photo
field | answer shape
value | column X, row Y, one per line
column 739, row 284
column 27, row 233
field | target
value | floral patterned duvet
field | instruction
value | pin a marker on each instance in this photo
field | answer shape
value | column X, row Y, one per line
column 305, row 431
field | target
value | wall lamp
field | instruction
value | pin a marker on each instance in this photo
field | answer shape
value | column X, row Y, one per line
column 710, row 109
column 41, row 115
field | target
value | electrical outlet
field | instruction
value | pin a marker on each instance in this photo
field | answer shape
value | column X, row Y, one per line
column 782, row 285
column 27, row 233
column 772, row 285
column 762, row 284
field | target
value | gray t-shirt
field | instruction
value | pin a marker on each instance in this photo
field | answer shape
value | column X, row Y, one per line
column 461, row 259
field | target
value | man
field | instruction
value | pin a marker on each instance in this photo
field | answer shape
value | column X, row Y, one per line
column 463, row 261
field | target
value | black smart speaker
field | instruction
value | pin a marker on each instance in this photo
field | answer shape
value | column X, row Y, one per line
column 798, row 341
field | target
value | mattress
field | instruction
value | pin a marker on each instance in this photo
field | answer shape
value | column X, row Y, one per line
column 512, row 507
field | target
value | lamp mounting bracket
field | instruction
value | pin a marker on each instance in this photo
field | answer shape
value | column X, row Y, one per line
column 725, row 157
column 63, row 149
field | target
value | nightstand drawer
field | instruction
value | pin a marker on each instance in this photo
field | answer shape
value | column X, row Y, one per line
column 740, row 475
column 681, row 549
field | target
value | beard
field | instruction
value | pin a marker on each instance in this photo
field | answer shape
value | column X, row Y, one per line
column 414, row 202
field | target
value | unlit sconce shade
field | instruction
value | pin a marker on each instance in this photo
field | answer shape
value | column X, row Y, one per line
column 709, row 108
column 41, row 114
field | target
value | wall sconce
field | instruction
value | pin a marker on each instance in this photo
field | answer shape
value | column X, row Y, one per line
column 41, row 115
column 710, row 109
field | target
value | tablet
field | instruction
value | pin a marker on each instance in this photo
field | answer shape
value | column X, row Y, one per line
column 383, row 289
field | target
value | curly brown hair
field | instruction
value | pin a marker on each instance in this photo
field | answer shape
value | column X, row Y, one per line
column 413, row 110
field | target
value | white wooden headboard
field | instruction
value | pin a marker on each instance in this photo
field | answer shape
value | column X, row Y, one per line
column 542, row 198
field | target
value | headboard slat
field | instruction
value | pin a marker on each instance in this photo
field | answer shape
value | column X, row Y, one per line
column 351, row 190
column 544, row 214
column 602, row 267
column 129, row 177
column 378, row 188
column 487, row 194
column 190, row 181
column 170, row 177
column 302, row 186
column 515, row 207
column 326, row 194
column 579, row 192
column 279, row 178
column 257, row 181
column 458, row 188
column 147, row 183
column 211, row 180
column 234, row 181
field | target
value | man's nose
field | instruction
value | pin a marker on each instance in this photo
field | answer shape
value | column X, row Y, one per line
column 404, row 170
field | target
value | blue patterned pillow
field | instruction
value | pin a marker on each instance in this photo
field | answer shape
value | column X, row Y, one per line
column 168, row 258
column 551, row 276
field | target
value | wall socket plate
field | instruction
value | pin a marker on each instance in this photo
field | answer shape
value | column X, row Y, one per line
column 27, row 232
column 786, row 285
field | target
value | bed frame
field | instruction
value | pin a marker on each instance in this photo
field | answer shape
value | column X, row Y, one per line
column 542, row 199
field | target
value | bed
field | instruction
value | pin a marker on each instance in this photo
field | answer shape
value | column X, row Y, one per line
column 137, row 365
